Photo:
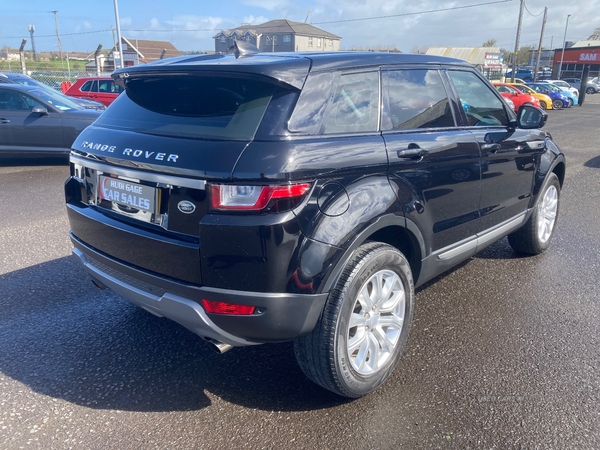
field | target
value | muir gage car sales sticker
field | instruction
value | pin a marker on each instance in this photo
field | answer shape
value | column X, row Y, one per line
column 126, row 193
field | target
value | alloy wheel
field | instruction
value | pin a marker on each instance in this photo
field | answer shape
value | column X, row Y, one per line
column 548, row 208
column 376, row 322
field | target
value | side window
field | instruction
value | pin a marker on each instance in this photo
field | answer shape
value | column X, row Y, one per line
column 311, row 106
column 355, row 106
column 31, row 102
column 417, row 99
column 115, row 88
column 13, row 101
column 478, row 101
column 87, row 86
column 108, row 86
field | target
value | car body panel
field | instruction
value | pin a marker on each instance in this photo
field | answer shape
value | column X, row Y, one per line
column 545, row 101
column 554, row 95
column 516, row 96
column 26, row 133
column 19, row 78
column 99, row 89
column 438, row 193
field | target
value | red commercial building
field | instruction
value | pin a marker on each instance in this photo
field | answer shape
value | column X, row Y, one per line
column 575, row 59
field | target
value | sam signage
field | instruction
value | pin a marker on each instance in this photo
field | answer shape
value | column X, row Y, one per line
column 588, row 57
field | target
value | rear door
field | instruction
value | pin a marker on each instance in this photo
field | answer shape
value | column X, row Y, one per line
column 509, row 155
column 87, row 90
column 107, row 92
column 434, row 165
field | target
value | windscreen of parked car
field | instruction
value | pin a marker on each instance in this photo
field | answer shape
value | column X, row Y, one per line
column 55, row 99
column 194, row 106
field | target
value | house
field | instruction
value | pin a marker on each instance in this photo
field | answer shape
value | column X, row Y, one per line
column 11, row 54
column 138, row 51
column 279, row 35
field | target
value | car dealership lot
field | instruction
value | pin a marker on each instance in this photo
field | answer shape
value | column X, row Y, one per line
column 503, row 352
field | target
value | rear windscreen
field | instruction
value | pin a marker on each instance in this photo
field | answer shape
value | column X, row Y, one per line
column 212, row 107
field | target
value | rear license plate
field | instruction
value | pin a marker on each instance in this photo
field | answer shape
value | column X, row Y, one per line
column 133, row 196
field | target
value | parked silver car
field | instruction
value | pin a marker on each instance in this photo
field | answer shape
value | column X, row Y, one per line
column 591, row 87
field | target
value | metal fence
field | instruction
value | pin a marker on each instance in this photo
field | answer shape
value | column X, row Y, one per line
column 60, row 79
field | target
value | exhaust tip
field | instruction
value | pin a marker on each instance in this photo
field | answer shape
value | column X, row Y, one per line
column 218, row 346
column 98, row 284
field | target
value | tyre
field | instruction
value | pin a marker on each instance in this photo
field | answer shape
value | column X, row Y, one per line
column 535, row 236
column 590, row 90
column 543, row 104
column 364, row 327
column 557, row 104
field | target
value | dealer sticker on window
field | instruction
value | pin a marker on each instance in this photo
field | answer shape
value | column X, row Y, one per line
column 126, row 193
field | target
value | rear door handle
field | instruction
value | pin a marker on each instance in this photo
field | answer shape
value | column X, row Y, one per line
column 410, row 153
column 491, row 147
column 4, row 121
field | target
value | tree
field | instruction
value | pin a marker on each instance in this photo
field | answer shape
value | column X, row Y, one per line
column 595, row 36
column 489, row 43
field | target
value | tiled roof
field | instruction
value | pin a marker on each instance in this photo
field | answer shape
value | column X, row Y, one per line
column 586, row 43
column 473, row 55
column 150, row 50
column 281, row 26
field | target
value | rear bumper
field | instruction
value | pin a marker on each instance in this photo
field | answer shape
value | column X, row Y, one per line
column 280, row 317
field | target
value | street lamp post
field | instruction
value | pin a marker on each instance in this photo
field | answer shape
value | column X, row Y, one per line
column 119, row 47
column 562, row 55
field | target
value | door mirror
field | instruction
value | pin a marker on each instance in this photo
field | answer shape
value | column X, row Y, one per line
column 531, row 117
column 40, row 110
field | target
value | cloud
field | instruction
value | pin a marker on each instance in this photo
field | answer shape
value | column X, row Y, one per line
column 255, row 20
column 86, row 26
column 270, row 5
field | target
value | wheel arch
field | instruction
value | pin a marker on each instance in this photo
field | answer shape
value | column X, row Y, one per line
column 560, row 171
column 391, row 229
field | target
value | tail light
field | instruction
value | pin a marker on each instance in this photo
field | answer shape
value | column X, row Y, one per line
column 232, row 309
column 227, row 197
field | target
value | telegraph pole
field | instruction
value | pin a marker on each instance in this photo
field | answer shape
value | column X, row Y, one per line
column 539, row 52
column 516, row 53
column 58, row 38
column 119, row 43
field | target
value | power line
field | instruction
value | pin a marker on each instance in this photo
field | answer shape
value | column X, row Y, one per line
column 62, row 34
column 316, row 23
column 533, row 15
column 413, row 13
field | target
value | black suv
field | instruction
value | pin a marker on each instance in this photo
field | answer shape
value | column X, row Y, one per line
column 258, row 198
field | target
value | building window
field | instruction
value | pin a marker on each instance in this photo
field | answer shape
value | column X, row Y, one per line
column 287, row 38
column 319, row 42
column 310, row 44
column 331, row 42
column 223, row 39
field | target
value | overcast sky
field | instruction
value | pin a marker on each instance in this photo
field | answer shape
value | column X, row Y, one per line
column 190, row 24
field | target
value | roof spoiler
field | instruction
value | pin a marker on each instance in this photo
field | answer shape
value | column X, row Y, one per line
column 242, row 49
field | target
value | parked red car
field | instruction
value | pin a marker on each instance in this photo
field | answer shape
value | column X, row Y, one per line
column 100, row 89
column 518, row 98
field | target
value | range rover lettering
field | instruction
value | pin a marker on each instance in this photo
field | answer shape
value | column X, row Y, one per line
column 257, row 198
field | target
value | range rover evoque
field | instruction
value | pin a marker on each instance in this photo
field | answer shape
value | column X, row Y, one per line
column 257, row 198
